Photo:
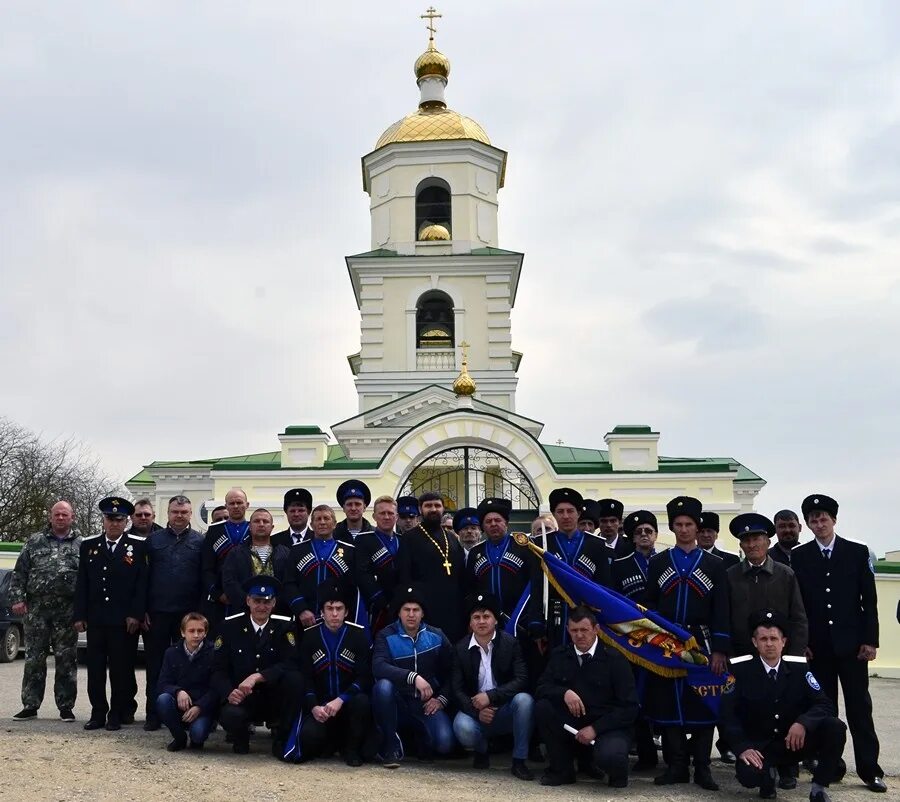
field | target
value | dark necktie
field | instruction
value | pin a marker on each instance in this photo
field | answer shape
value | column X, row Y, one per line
column 773, row 674
column 584, row 659
column 826, row 554
column 111, row 545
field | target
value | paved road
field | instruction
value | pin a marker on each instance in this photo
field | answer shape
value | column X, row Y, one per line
column 48, row 760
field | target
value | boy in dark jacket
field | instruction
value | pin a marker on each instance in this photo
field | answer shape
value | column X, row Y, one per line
column 186, row 703
column 489, row 679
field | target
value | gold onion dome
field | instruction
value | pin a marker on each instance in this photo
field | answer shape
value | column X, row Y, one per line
column 434, row 232
column 433, row 121
column 432, row 62
column 464, row 384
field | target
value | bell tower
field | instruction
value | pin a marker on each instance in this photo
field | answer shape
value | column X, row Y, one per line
column 435, row 275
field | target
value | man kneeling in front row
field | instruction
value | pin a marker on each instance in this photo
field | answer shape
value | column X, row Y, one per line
column 587, row 703
column 255, row 668
column 489, row 680
column 777, row 714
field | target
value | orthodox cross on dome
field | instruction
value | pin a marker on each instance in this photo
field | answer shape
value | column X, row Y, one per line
column 431, row 15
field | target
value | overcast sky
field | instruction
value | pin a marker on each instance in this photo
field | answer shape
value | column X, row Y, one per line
column 707, row 196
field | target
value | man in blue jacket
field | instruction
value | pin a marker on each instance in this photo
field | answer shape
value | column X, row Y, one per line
column 186, row 703
column 411, row 665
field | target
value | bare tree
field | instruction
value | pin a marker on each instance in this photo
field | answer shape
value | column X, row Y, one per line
column 35, row 474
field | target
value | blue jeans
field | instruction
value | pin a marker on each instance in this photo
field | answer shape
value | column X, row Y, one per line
column 516, row 717
column 391, row 709
column 169, row 714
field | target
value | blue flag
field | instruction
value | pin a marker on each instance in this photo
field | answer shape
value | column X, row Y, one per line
column 641, row 635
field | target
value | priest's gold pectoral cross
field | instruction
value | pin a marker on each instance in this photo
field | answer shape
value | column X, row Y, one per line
column 447, row 566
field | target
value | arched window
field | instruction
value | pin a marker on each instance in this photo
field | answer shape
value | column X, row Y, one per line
column 434, row 320
column 433, row 207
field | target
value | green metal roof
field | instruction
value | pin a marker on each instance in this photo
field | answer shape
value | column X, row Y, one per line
column 373, row 254
column 633, row 429
column 302, row 430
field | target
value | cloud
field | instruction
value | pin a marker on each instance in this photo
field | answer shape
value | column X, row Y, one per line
column 706, row 198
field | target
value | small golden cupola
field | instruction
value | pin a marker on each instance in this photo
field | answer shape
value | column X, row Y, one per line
column 464, row 384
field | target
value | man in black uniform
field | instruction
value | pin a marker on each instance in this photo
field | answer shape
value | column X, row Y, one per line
column 776, row 714
column 297, row 505
column 689, row 588
column 838, row 586
column 629, row 577
column 707, row 536
column 313, row 561
column 586, row 700
column 589, row 517
column 110, row 595
column 502, row 568
column 376, row 563
column 353, row 496
column 787, row 532
column 610, row 512
column 336, row 666
column 586, row 553
column 432, row 559
column 218, row 541
column 255, row 669
column 407, row 513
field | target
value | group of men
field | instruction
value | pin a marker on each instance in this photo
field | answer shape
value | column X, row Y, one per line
column 370, row 638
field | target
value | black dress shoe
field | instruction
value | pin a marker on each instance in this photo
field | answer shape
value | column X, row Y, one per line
column 728, row 757
column 552, row 778
column 113, row 723
column 152, row 724
column 590, row 770
column 877, row 785
column 481, row 761
column 176, row 745
column 66, row 714
column 26, row 713
column 353, row 759
column 672, row 776
column 520, row 770
column 767, row 792
column 787, row 783
column 703, row 777
column 93, row 724
column 819, row 796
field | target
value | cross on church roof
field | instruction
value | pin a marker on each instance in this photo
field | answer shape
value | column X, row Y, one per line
column 431, row 15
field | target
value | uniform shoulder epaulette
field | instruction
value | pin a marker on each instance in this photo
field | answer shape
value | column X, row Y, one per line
column 234, row 615
column 742, row 659
column 280, row 617
column 311, row 626
column 793, row 658
column 622, row 559
column 592, row 534
column 346, row 543
column 136, row 537
column 351, row 624
column 92, row 537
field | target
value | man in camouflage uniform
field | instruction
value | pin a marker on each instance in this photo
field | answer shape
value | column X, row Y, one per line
column 43, row 590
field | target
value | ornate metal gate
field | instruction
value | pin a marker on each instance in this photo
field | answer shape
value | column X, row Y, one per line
column 464, row 476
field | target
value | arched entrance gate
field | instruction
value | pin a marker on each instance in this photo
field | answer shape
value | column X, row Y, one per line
column 466, row 475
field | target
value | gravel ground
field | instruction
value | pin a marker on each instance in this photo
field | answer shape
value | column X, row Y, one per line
column 46, row 759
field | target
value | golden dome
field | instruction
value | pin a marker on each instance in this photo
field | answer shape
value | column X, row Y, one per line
column 430, row 124
column 432, row 62
column 464, row 384
column 434, row 232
